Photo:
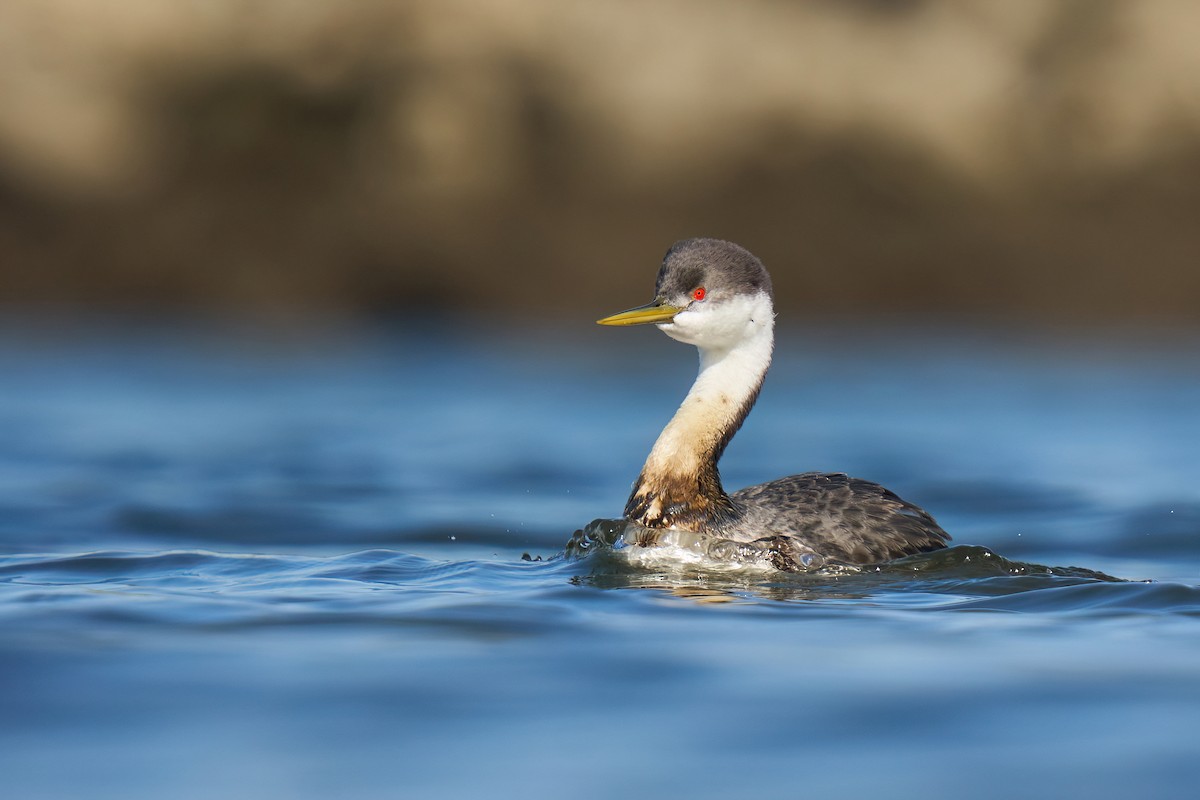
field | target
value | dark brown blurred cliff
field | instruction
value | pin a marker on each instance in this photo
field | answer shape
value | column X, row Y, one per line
column 1028, row 158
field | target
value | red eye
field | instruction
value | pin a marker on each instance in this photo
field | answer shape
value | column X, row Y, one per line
column 698, row 293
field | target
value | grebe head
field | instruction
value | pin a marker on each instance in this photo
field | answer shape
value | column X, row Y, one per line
column 710, row 293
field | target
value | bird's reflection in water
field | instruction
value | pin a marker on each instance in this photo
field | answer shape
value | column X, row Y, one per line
column 710, row 591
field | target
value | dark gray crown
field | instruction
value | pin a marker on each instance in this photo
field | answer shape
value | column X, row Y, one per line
column 723, row 268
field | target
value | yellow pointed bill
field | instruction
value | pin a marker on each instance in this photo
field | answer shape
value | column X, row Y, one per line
column 642, row 315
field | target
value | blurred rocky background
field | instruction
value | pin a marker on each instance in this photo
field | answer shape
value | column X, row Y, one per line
column 1028, row 159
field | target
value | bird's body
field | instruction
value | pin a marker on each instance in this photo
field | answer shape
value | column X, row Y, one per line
column 717, row 296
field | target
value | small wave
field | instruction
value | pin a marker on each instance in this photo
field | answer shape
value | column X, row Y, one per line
column 203, row 588
column 234, row 573
column 1104, row 598
column 207, row 589
column 963, row 577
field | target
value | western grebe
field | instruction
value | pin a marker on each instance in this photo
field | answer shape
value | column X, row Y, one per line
column 717, row 296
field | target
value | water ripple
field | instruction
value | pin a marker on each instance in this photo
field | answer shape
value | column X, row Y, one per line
column 382, row 587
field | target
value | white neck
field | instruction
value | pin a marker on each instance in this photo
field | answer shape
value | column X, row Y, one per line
column 735, row 352
column 727, row 381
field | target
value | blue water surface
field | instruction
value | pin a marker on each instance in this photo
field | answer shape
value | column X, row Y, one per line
column 289, row 563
